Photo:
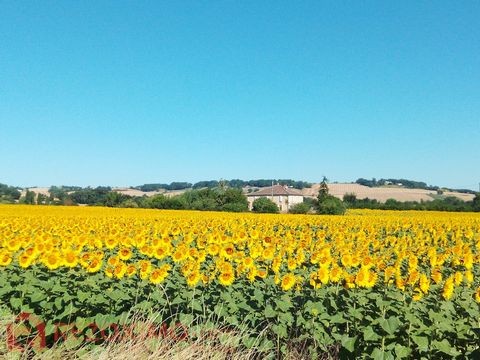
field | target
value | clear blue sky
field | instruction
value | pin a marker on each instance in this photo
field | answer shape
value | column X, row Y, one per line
column 133, row 92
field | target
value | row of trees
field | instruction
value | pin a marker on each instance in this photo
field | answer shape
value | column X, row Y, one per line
column 217, row 199
column 225, row 198
column 449, row 203
column 211, row 184
column 8, row 194
column 409, row 184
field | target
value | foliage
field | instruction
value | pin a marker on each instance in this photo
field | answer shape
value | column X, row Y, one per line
column 300, row 208
column 409, row 184
column 476, row 202
column 264, row 205
column 91, row 196
column 115, row 199
column 448, row 203
column 8, row 194
column 350, row 198
column 323, row 190
column 42, row 199
column 171, row 186
column 29, row 198
column 330, row 205
column 218, row 199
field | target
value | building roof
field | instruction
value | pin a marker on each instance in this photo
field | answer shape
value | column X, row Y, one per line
column 276, row 190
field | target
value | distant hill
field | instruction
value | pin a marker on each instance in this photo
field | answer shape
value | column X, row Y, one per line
column 382, row 194
column 380, row 190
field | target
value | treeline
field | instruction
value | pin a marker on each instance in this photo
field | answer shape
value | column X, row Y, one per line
column 9, row 194
column 216, row 199
column 234, row 183
column 169, row 187
column 449, row 203
column 409, row 184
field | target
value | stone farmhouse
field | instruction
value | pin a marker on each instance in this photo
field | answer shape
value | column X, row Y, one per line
column 281, row 195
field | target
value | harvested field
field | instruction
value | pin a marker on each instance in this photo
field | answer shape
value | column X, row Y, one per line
column 382, row 194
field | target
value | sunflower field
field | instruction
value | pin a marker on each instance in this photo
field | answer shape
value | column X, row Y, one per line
column 372, row 284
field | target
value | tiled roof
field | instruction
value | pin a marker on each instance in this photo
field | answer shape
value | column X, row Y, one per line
column 276, row 190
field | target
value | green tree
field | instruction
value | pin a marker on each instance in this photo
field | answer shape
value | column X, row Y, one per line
column 350, row 198
column 231, row 199
column 328, row 204
column 331, row 206
column 29, row 197
column 114, row 198
column 129, row 203
column 476, row 202
column 264, row 205
column 8, row 194
column 323, row 190
column 158, row 201
column 300, row 208
column 41, row 199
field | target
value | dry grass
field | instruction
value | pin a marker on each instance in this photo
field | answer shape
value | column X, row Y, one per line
column 215, row 344
column 220, row 344
column 140, row 346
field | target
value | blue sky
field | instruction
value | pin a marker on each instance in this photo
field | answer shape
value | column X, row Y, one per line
column 126, row 93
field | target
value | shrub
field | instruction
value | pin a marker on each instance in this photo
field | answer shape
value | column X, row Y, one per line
column 350, row 198
column 331, row 206
column 301, row 208
column 264, row 205
column 235, row 207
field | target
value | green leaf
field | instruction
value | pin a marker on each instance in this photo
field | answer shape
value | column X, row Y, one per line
column 16, row 303
column 280, row 330
column 369, row 334
column 186, row 319
column 266, row 345
column 102, row 321
column 445, row 326
column 401, row 351
column 83, row 295
column 82, row 323
column 258, row 296
column 355, row 313
column 445, row 347
column 422, row 342
column 337, row 319
column 49, row 328
column 286, row 318
column 283, row 305
column 378, row 354
column 197, row 305
column 269, row 312
column 177, row 300
column 73, row 342
column 390, row 325
column 349, row 342
column 249, row 341
column 37, row 297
